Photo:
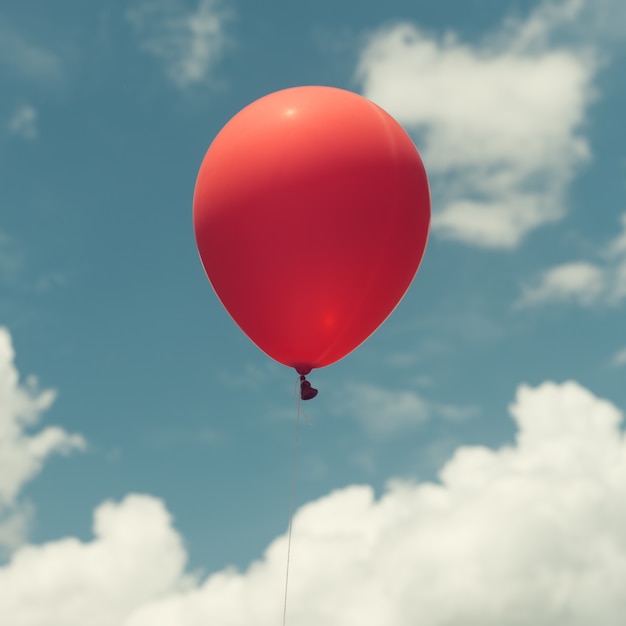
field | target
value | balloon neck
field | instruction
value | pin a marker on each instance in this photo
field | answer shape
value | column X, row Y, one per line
column 303, row 370
column 306, row 391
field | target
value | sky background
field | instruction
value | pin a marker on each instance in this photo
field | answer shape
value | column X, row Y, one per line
column 466, row 465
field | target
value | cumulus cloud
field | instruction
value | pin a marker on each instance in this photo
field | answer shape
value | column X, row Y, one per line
column 22, row 452
column 135, row 556
column 14, row 523
column 498, row 121
column 582, row 282
column 531, row 533
column 187, row 42
column 23, row 122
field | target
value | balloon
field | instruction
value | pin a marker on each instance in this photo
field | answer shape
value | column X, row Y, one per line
column 311, row 213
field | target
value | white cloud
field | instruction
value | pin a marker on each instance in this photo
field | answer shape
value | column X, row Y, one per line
column 14, row 524
column 581, row 282
column 23, row 123
column 135, row 557
column 187, row 43
column 536, row 529
column 22, row 453
column 531, row 533
column 499, row 120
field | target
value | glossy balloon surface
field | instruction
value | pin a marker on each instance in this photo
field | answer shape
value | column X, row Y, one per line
column 311, row 214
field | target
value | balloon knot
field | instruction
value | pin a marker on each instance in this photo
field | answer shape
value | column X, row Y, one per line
column 306, row 391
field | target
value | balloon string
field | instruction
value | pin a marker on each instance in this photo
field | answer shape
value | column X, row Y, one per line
column 300, row 411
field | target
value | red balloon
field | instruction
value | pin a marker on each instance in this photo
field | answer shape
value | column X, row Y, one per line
column 311, row 214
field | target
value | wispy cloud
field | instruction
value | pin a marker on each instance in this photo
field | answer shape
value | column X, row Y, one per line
column 174, row 436
column 386, row 412
column 582, row 282
column 27, row 60
column 188, row 43
column 17, row 270
column 23, row 122
column 11, row 260
column 249, row 375
column 499, row 121
column 619, row 358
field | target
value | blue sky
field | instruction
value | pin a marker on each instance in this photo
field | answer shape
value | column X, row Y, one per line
column 472, row 445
